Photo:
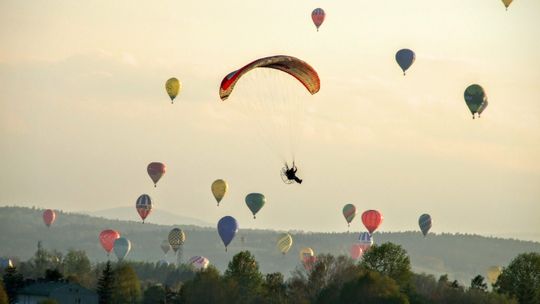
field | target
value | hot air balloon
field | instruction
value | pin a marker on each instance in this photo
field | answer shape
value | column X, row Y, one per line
column 425, row 223
column 177, row 237
column 372, row 219
column 156, row 171
column 199, row 262
column 405, row 58
column 493, row 274
column 173, row 86
column 49, row 216
column 122, row 246
column 307, row 257
column 144, row 206
column 227, row 229
column 255, row 201
column 365, row 240
column 284, row 243
column 476, row 99
column 349, row 212
column 318, row 16
column 356, row 251
column 5, row 263
column 107, row 238
column 507, row 3
column 219, row 188
column 165, row 246
column 162, row 263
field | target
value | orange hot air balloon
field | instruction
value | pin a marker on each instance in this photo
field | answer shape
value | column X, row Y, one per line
column 48, row 217
column 156, row 171
column 107, row 238
column 317, row 16
column 372, row 219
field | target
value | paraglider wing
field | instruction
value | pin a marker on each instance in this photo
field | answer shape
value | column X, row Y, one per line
column 144, row 206
column 255, row 201
column 219, row 188
column 349, row 212
column 227, row 229
column 365, row 240
column 49, row 216
column 318, row 16
column 155, row 171
column 122, row 246
column 295, row 67
column 173, row 86
column 476, row 98
column 405, row 58
column 372, row 219
column 425, row 223
column 284, row 242
column 107, row 238
column 165, row 246
column 177, row 237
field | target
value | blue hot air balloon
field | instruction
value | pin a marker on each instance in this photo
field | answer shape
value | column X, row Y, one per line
column 405, row 58
column 425, row 223
column 227, row 229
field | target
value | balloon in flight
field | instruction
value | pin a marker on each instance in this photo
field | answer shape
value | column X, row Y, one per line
column 318, row 15
column 405, row 58
column 144, row 206
column 199, row 262
column 476, row 99
column 493, row 274
column 372, row 219
column 49, row 216
column 227, row 229
column 425, row 223
column 155, row 171
column 365, row 240
column 219, row 189
column 284, row 243
column 255, row 201
column 165, row 246
column 349, row 212
column 177, row 237
column 507, row 3
column 173, row 87
column 122, row 246
column 356, row 251
column 107, row 238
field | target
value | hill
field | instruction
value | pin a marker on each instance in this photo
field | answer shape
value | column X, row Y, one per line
column 460, row 255
column 159, row 216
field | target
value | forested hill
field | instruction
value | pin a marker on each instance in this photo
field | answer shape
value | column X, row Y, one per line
column 461, row 256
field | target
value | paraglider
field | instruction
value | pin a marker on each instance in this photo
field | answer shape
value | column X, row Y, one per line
column 288, row 175
column 318, row 16
column 356, row 251
column 284, row 243
column 255, row 201
column 219, row 189
column 507, row 3
column 405, row 58
column 122, row 246
column 476, row 99
column 349, row 212
column 165, row 246
column 493, row 274
column 177, row 237
column 199, row 262
column 365, row 240
column 107, row 238
column 144, row 206
column 227, row 229
column 372, row 219
column 425, row 223
column 49, row 216
column 155, row 171
column 173, row 86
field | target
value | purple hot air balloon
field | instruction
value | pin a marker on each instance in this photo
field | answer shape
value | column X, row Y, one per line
column 227, row 229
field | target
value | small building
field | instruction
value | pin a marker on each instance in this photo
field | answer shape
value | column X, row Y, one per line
column 61, row 292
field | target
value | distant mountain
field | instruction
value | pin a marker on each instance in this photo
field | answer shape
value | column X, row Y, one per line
column 461, row 256
column 158, row 216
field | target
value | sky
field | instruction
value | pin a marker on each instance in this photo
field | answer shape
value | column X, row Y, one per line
column 83, row 110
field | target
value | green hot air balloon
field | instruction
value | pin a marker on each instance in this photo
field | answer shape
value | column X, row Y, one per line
column 476, row 99
column 255, row 201
column 121, row 248
column 425, row 223
column 349, row 212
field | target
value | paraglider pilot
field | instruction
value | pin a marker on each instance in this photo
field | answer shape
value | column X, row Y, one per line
column 290, row 173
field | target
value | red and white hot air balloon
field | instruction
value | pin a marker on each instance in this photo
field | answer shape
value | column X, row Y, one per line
column 48, row 217
column 372, row 219
column 156, row 171
column 356, row 251
column 317, row 16
column 107, row 238
column 144, row 206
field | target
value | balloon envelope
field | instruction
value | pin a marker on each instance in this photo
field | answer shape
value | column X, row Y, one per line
column 284, row 242
column 155, row 171
column 493, row 274
column 425, row 223
column 318, row 15
column 107, row 238
column 255, row 201
column 349, row 212
column 177, row 237
column 372, row 219
column 122, row 246
column 507, row 3
column 405, row 58
column 219, row 188
column 49, row 216
column 356, row 251
column 365, row 240
column 476, row 99
column 199, row 262
column 165, row 246
column 144, row 206
column 227, row 229
column 173, row 86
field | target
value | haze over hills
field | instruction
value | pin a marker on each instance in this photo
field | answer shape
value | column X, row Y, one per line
column 461, row 256
column 158, row 216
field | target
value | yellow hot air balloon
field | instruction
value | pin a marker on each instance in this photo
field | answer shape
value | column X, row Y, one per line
column 173, row 87
column 284, row 242
column 219, row 188
column 493, row 274
column 306, row 253
column 507, row 3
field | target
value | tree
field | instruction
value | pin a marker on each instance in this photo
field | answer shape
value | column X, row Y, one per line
column 372, row 288
column 41, row 261
column 127, row 288
column 478, row 283
column 154, row 294
column 13, row 280
column 53, row 275
column 274, row 288
column 521, row 278
column 206, row 287
column 243, row 272
column 77, row 267
column 3, row 295
column 105, row 285
column 390, row 260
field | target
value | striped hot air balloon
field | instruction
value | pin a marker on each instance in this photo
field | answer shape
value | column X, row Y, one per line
column 365, row 240
column 199, row 262
column 144, row 206
column 425, row 223
column 284, row 243
column 372, row 219
column 318, row 16
column 349, row 212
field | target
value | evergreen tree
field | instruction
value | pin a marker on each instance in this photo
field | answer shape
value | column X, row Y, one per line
column 243, row 272
column 478, row 283
column 521, row 278
column 106, row 285
column 390, row 260
column 13, row 281
column 127, row 288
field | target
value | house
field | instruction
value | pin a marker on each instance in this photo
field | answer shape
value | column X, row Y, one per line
column 62, row 292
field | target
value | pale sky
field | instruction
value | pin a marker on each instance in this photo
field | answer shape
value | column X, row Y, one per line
column 83, row 110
